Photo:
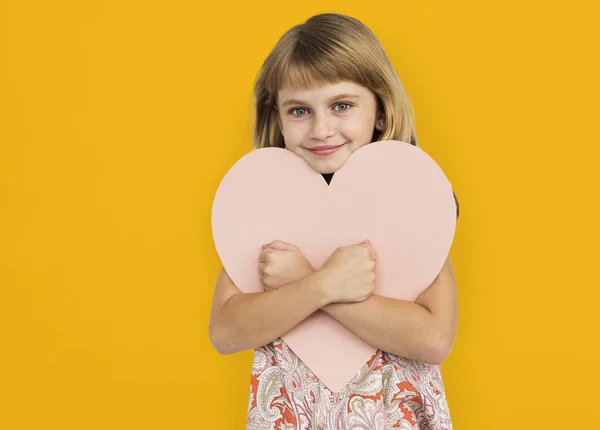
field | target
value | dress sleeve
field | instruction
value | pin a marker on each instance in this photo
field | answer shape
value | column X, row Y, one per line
column 457, row 207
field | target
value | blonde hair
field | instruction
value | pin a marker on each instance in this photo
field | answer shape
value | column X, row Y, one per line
column 330, row 48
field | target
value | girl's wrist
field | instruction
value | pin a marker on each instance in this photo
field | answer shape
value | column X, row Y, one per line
column 321, row 281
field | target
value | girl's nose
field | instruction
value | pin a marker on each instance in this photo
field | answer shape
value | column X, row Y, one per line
column 321, row 128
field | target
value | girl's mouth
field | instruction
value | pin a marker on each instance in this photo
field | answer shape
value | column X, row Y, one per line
column 326, row 150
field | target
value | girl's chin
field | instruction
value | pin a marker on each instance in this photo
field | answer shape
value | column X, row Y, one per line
column 326, row 167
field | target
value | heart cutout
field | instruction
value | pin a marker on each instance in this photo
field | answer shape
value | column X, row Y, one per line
column 389, row 192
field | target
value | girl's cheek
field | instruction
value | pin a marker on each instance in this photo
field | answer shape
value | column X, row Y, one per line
column 361, row 125
column 296, row 132
column 351, row 127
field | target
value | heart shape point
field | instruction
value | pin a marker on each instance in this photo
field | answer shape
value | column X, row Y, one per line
column 389, row 192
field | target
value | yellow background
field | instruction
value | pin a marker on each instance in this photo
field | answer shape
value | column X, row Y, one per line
column 118, row 121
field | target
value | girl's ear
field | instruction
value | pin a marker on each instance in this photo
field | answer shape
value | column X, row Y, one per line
column 379, row 121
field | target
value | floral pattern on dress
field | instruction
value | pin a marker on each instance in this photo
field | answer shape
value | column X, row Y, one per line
column 389, row 392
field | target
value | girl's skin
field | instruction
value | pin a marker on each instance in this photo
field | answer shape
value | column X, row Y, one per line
column 424, row 330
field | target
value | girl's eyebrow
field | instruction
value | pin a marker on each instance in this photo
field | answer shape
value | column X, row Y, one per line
column 338, row 96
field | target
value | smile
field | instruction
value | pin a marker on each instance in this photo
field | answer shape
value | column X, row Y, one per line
column 325, row 152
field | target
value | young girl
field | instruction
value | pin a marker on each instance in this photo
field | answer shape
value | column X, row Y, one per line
column 327, row 89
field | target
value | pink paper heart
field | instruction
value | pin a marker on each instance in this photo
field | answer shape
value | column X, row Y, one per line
column 390, row 192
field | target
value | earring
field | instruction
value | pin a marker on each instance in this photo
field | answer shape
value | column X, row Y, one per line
column 381, row 123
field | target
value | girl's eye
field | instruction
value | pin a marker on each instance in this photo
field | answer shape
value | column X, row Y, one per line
column 296, row 109
column 344, row 104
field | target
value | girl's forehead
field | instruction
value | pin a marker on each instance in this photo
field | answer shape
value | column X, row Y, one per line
column 320, row 87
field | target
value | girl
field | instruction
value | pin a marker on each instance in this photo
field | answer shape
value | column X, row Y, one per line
column 327, row 89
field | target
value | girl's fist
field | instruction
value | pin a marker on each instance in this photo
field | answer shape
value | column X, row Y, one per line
column 280, row 263
column 349, row 273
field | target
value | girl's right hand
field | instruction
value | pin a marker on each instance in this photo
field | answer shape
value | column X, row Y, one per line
column 349, row 273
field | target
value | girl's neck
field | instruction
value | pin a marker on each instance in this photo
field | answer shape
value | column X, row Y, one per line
column 327, row 177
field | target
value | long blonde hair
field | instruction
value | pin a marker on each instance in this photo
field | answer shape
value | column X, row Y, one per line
column 330, row 48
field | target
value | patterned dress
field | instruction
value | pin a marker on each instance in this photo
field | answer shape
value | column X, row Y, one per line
column 389, row 392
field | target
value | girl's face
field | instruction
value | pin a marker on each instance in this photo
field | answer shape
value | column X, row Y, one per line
column 343, row 115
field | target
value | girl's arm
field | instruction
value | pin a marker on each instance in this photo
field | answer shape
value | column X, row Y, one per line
column 240, row 321
column 422, row 331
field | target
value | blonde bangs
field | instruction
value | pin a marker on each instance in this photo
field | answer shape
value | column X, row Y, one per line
column 315, row 64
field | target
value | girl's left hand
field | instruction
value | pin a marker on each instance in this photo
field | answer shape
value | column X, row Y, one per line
column 281, row 263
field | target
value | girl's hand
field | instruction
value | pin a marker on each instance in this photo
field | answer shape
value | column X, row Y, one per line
column 349, row 273
column 281, row 263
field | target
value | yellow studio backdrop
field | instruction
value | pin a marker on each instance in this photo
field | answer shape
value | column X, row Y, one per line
column 119, row 119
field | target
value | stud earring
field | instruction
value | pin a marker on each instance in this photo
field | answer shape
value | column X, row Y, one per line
column 381, row 123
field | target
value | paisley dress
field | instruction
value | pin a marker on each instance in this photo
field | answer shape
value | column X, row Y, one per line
column 389, row 392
